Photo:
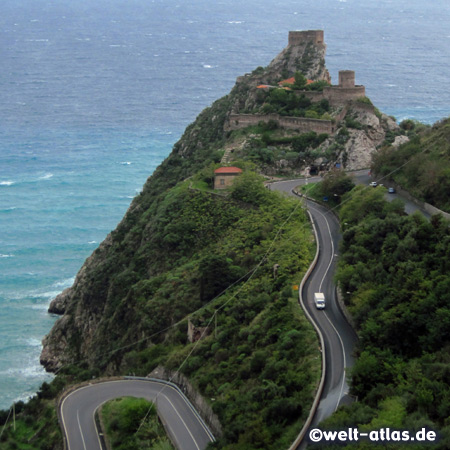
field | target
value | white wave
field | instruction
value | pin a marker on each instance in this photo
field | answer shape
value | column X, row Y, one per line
column 64, row 283
column 125, row 163
column 33, row 342
column 41, row 307
column 236, row 21
column 207, row 66
column 2, row 255
column 46, row 176
column 25, row 372
column 6, row 183
column 46, row 295
column 92, row 242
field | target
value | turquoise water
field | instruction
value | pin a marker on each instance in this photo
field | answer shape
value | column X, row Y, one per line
column 94, row 95
column 59, row 197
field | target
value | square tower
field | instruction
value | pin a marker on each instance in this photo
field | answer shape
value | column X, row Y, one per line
column 347, row 78
column 302, row 37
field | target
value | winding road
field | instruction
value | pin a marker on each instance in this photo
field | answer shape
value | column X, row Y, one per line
column 338, row 337
column 77, row 410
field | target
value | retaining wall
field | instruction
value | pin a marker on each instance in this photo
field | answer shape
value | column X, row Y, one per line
column 302, row 124
column 192, row 394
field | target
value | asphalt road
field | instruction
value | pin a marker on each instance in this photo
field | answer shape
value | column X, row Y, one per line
column 363, row 177
column 77, row 412
column 339, row 337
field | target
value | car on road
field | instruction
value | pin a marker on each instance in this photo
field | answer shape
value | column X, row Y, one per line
column 373, row 184
column 391, row 190
column 319, row 300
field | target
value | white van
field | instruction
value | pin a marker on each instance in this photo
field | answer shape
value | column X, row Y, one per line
column 319, row 300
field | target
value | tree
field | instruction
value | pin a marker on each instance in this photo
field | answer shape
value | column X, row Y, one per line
column 300, row 81
column 336, row 183
column 249, row 188
column 216, row 274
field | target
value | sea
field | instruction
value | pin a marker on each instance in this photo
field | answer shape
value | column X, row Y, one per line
column 94, row 93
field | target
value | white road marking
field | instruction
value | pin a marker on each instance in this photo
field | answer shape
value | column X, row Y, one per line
column 81, row 432
column 184, row 423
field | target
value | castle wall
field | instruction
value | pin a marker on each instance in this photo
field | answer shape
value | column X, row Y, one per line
column 337, row 95
column 302, row 124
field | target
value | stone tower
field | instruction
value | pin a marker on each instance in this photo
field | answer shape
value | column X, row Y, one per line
column 347, row 79
column 301, row 37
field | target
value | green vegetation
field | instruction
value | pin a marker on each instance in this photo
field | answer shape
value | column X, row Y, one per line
column 175, row 260
column 333, row 186
column 270, row 145
column 250, row 363
column 289, row 103
column 422, row 166
column 36, row 426
column 133, row 424
column 394, row 271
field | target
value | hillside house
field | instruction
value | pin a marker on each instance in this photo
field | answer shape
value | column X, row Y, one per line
column 224, row 176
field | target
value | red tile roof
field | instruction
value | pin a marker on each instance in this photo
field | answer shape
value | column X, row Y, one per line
column 228, row 170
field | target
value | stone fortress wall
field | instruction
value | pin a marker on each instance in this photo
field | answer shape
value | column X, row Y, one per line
column 301, row 124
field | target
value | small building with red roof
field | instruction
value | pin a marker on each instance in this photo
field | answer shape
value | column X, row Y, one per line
column 224, row 176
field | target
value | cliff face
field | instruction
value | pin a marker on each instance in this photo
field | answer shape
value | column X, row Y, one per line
column 102, row 310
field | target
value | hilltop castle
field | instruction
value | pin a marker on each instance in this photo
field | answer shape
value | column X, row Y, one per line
column 305, row 44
